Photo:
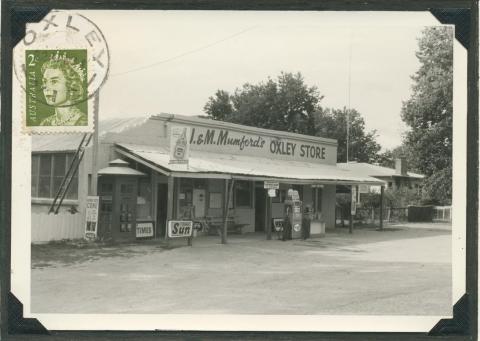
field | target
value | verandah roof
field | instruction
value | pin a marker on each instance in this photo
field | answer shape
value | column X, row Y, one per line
column 226, row 166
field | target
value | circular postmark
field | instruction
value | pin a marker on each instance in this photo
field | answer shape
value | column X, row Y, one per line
column 67, row 41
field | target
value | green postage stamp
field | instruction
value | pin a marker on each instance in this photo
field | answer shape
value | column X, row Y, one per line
column 56, row 88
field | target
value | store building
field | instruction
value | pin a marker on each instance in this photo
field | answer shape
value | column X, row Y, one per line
column 394, row 178
column 170, row 167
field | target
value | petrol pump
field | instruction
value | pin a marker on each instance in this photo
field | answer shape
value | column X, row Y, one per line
column 293, row 215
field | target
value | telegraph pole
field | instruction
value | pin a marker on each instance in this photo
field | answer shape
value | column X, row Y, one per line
column 96, row 103
column 349, row 92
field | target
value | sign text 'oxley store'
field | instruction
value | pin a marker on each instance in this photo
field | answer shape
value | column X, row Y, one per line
column 221, row 137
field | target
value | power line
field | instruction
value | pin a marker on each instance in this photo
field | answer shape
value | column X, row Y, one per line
column 184, row 54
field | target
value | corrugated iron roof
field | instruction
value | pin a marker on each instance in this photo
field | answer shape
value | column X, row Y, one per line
column 70, row 142
column 248, row 166
column 374, row 170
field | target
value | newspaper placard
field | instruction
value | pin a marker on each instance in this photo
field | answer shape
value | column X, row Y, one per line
column 144, row 230
column 180, row 228
column 91, row 219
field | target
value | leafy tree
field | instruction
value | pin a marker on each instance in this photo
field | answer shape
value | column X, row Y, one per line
column 219, row 107
column 428, row 112
column 286, row 104
column 363, row 146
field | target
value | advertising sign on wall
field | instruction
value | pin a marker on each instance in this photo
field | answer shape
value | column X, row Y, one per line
column 180, row 228
column 144, row 230
column 91, row 219
column 179, row 144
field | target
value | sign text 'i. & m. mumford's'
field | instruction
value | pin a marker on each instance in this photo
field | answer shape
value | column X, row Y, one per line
column 244, row 142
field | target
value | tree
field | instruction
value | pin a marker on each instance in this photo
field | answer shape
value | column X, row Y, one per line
column 220, row 106
column 286, row 104
column 363, row 146
column 428, row 112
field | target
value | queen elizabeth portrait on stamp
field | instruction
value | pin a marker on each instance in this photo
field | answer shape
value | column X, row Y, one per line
column 60, row 100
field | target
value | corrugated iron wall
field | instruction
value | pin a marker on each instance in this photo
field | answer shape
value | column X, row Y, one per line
column 64, row 225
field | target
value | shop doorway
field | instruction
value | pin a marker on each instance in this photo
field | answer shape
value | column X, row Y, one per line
column 260, row 207
column 162, row 200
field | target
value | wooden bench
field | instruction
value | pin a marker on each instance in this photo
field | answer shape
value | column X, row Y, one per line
column 215, row 225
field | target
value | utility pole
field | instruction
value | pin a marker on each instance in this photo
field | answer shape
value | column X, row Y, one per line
column 349, row 93
column 93, row 184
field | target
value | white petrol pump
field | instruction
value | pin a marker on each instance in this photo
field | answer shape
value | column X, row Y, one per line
column 293, row 216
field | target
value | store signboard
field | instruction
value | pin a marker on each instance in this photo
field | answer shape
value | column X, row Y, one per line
column 261, row 144
column 271, row 184
column 179, row 144
column 91, row 221
column 144, row 230
column 180, row 228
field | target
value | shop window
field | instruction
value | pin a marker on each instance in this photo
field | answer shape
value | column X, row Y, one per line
column 48, row 172
column 185, row 198
column 126, row 188
column 106, row 188
column 144, row 199
column 243, row 194
column 280, row 196
column 215, row 200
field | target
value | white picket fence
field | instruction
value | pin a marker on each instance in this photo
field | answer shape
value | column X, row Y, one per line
column 442, row 213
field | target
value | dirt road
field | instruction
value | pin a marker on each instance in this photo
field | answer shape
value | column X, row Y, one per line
column 403, row 270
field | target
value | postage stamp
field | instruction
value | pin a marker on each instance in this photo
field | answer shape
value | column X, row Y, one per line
column 60, row 65
column 56, row 88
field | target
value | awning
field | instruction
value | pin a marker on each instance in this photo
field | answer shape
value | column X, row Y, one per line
column 119, row 167
column 227, row 166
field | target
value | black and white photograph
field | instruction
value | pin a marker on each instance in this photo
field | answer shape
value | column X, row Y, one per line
column 244, row 170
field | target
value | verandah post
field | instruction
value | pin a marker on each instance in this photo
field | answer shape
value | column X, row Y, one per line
column 170, row 203
column 381, row 207
column 352, row 210
column 268, row 225
column 228, row 190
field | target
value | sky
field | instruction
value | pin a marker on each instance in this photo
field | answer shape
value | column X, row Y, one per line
column 173, row 61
